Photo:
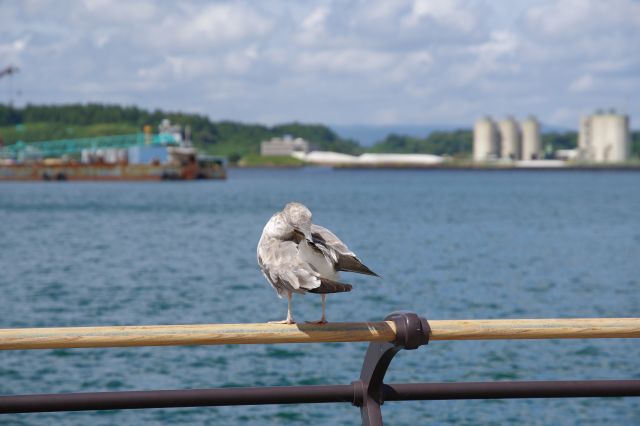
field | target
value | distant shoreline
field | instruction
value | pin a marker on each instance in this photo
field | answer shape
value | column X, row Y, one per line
column 448, row 167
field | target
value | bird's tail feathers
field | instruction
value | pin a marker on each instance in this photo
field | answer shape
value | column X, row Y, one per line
column 331, row 286
column 353, row 264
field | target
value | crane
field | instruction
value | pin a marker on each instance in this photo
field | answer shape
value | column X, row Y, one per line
column 9, row 70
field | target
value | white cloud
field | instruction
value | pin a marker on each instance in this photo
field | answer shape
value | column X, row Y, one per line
column 411, row 67
column 493, row 55
column 119, row 11
column 583, row 18
column 449, row 13
column 344, row 61
column 582, row 84
column 12, row 50
column 313, row 27
column 242, row 61
column 18, row 45
column 326, row 61
column 197, row 28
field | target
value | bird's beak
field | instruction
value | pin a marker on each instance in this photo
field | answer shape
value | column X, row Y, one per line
column 305, row 233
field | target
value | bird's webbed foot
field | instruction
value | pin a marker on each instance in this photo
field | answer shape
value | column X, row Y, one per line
column 322, row 321
column 284, row 321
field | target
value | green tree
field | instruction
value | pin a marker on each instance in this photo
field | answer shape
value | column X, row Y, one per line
column 457, row 143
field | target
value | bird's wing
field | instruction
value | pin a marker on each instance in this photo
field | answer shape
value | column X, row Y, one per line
column 283, row 269
column 322, row 236
column 337, row 251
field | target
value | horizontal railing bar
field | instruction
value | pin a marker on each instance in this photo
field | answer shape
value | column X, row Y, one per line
column 176, row 398
column 204, row 334
column 501, row 390
column 201, row 334
column 511, row 329
column 384, row 331
column 313, row 394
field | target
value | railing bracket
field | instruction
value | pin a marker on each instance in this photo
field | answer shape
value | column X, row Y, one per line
column 412, row 332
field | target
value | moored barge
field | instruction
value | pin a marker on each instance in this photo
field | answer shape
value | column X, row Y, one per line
column 136, row 157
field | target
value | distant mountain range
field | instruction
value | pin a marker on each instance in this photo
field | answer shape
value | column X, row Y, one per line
column 368, row 135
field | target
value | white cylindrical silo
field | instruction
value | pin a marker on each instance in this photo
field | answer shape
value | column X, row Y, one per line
column 585, row 150
column 531, row 144
column 616, row 141
column 485, row 140
column 610, row 137
column 509, row 139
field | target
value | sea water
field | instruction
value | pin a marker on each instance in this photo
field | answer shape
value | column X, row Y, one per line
column 448, row 245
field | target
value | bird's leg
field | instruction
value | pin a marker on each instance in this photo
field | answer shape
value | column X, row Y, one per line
column 289, row 315
column 289, row 319
column 323, row 320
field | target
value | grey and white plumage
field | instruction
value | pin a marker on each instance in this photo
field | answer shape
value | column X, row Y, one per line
column 297, row 256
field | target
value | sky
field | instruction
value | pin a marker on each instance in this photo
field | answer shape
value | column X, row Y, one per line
column 378, row 62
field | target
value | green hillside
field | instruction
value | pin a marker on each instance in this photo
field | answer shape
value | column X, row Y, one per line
column 236, row 140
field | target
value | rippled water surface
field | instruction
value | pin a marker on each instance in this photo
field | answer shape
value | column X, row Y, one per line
column 450, row 245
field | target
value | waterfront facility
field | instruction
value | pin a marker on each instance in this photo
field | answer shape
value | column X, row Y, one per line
column 284, row 146
column 506, row 139
column 603, row 138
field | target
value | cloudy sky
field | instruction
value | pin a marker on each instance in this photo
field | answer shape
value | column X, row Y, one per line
column 335, row 62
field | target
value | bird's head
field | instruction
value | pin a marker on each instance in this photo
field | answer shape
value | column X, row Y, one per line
column 299, row 217
column 279, row 227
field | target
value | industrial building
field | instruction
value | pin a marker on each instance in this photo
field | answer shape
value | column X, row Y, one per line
column 604, row 138
column 507, row 139
column 283, row 146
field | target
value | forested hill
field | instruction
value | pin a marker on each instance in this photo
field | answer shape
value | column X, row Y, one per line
column 47, row 122
column 457, row 143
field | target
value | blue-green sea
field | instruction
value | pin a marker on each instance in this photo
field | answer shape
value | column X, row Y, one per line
column 448, row 244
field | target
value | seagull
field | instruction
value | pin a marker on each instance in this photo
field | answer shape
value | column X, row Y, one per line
column 297, row 256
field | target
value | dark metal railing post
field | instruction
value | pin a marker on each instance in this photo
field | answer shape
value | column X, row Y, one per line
column 412, row 332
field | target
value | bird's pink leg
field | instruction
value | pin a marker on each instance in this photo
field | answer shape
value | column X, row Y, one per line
column 289, row 319
column 323, row 320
